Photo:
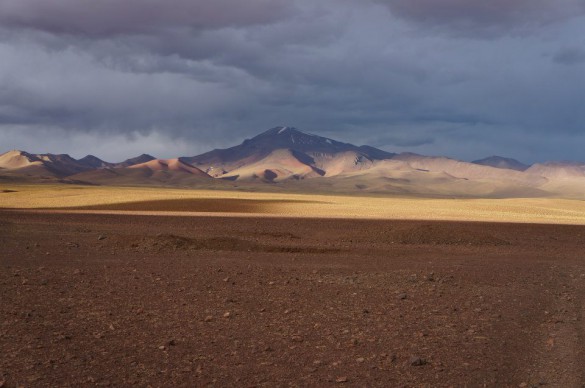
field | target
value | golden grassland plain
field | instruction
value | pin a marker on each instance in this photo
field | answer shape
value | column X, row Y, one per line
column 185, row 202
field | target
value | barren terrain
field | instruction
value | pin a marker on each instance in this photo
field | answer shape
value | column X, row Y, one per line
column 136, row 298
column 186, row 202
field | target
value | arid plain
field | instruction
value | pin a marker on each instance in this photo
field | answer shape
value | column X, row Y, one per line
column 167, row 287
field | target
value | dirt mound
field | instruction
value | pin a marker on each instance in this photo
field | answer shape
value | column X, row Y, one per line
column 207, row 205
column 172, row 243
column 432, row 234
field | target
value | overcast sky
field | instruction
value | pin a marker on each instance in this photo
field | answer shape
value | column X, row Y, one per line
column 461, row 78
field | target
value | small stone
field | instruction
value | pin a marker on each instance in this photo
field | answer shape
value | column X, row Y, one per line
column 417, row 361
column 402, row 296
column 226, row 314
column 208, row 318
column 297, row 338
column 171, row 342
column 162, row 347
column 101, row 237
column 342, row 379
column 360, row 359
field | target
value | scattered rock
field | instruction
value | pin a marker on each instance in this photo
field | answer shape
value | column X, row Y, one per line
column 417, row 361
column 226, row 314
column 360, row 359
column 208, row 318
column 101, row 237
column 402, row 296
column 342, row 379
column 162, row 347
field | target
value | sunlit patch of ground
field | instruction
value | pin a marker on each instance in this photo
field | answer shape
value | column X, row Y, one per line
column 212, row 202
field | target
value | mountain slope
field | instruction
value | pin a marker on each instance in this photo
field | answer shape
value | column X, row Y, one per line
column 134, row 161
column 501, row 162
column 279, row 165
column 224, row 161
column 170, row 165
column 60, row 165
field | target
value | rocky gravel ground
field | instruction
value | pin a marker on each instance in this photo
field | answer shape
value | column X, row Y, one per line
column 104, row 300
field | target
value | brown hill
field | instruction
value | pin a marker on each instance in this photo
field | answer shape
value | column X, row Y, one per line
column 174, row 165
column 279, row 165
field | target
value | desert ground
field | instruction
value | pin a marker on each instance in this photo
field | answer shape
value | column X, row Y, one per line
column 165, row 287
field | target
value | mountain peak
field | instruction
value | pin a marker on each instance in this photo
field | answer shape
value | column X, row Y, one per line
column 311, row 150
column 280, row 131
column 16, row 159
column 92, row 161
column 16, row 153
column 292, row 138
column 144, row 158
column 501, row 162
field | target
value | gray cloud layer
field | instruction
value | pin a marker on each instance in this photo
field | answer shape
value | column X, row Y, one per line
column 113, row 17
column 455, row 77
column 491, row 17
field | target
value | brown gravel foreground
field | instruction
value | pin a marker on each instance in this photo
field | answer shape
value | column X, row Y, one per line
column 106, row 300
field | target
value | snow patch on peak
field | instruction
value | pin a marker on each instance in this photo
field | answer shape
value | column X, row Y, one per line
column 283, row 129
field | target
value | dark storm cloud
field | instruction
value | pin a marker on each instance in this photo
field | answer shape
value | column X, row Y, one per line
column 179, row 77
column 570, row 56
column 113, row 17
column 486, row 17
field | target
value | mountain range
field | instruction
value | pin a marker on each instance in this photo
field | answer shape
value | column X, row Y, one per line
column 287, row 158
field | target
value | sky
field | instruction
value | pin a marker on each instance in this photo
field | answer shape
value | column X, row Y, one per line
column 460, row 78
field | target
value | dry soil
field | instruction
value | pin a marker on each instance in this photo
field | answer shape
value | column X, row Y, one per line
column 110, row 300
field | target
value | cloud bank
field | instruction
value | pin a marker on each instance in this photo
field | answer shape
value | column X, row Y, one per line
column 461, row 78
